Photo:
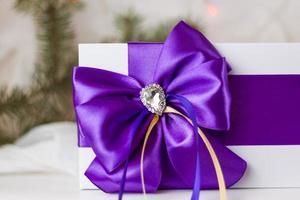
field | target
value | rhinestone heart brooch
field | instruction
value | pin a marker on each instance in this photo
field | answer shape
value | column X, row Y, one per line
column 154, row 99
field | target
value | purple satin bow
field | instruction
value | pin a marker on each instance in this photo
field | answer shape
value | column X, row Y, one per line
column 107, row 105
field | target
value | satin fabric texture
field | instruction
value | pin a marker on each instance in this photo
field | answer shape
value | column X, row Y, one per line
column 107, row 104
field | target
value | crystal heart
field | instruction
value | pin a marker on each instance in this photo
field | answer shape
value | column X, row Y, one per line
column 153, row 98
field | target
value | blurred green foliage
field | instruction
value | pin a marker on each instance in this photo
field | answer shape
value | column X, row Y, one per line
column 50, row 96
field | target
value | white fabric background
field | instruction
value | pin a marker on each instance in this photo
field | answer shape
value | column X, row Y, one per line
column 46, row 148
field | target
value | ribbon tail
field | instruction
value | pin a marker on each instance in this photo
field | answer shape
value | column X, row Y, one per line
column 197, row 181
column 152, row 124
column 133, row 132
column 123, row 180
column 192, row 120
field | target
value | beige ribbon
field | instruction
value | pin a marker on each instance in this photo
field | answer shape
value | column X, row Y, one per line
column 216, row 163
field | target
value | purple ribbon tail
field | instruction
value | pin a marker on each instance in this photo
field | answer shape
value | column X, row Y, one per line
column 123, row 180
column 133, row 132
column 192, row 115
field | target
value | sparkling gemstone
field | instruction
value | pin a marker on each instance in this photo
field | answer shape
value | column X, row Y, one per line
column 153, row 98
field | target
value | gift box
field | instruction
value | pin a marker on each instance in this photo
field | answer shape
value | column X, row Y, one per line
column 265, row 88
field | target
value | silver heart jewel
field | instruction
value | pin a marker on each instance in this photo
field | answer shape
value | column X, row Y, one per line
column 154, row 99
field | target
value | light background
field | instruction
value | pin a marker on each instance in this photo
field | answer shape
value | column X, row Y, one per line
column 223, row 21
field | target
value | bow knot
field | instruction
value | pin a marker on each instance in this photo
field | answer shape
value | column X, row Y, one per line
column 108, row 109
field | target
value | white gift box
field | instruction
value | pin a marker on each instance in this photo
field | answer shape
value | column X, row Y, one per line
column 269, row 166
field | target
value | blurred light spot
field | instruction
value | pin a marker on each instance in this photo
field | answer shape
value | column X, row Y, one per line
column 212, row 9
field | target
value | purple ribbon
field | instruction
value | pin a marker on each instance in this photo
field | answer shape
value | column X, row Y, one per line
column 133, row 131
column 108, row 108
column 191, row 114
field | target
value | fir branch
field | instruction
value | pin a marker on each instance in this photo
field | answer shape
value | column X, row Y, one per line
column 28, row 6
column 56, row 42
column 160, row 32
column 130, row 27
column 50, row 97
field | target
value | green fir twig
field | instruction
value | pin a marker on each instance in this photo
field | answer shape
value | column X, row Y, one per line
column 49, row 98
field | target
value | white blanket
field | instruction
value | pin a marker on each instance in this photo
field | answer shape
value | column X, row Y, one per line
column 46, row 148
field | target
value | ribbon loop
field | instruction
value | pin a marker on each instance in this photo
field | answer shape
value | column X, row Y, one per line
column 111, row 118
